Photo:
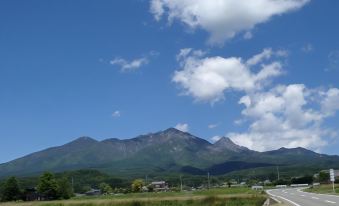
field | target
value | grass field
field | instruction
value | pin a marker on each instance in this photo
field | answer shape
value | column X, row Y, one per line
column 324, row 189
column 213, row 197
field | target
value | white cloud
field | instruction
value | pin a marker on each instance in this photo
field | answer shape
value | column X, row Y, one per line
column 215, row 138
column 223, row 19
column 212, row 126
column 286, row 116
column 333, row 61
column 131, row 65
column 330, row 102
column 307, row 48
column 182, row 127
column 248, row 35
column 265, row 54
column 207, row 78
column 116, row 113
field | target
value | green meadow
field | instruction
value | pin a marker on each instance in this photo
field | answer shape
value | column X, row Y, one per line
column 212, row 197
column 324, row 189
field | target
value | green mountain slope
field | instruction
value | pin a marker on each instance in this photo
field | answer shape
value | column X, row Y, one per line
column 164, row 152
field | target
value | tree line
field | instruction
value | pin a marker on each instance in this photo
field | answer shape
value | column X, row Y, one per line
column 47, row 188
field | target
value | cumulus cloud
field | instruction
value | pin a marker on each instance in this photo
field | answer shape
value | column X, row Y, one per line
column 131, row 65
column 330, row 101
column 116, row 113
column 207, row 78
column 286, row 116
column 182, row 127
column 223, row 19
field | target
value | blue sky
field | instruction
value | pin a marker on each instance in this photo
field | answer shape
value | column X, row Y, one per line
column 112, row 69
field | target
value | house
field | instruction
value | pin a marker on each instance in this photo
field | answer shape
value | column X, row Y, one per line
column 93, row 192
column 159, row 186
column 31, row 194
column 255, row 187
column 267, row 182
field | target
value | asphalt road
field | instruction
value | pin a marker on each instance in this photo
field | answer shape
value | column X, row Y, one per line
column 296, row 197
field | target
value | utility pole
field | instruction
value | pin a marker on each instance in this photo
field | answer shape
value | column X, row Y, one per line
column 180, row 183
column 208, row 179
column 278, row 172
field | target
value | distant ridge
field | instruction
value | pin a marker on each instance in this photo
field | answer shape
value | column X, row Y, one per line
column 165, row 152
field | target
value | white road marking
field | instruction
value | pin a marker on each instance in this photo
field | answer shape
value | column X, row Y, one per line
column 330, row 201
column 315, row 198
column 302, row 195
column 290, row 201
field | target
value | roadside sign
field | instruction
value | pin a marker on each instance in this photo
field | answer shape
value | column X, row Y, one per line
column 332, row 178
column 332, row 175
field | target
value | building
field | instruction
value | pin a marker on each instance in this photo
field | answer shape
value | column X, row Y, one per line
column 93, row 192
column 31, row 194
column 255, row 187
column 159, row 186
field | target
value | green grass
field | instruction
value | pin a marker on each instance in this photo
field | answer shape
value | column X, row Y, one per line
column 223, row 191
column 213, row 197
column 211, row 192
column 207, row 201
column 324, row 189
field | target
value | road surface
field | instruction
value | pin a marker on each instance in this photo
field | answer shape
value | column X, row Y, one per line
column 296, row 197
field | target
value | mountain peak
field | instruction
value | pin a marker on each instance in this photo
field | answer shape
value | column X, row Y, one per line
column 227, row 143
column 293, row 151
column 83, row 139
column 173, row 130
column 224, row 140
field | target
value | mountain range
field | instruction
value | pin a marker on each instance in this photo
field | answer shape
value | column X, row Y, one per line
column 165, row 152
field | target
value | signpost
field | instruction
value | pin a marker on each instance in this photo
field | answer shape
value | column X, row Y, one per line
column 332, row 178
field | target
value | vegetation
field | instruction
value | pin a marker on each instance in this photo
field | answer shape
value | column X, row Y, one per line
column 206, row 201
column 324, row 189
column 105, row 188
column 64, row 189
column 197, row 157
column 10, row 190
column 302, row 180
column 48, row 186
column 137, row 185
column 324, row 177
column 213, row 197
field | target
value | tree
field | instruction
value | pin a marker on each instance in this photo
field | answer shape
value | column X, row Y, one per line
column 324, row 176
column 137, row 185
column 302, row 180
column 105, row 188
column 64, row 189
column 48, row 186
column 11, row 190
